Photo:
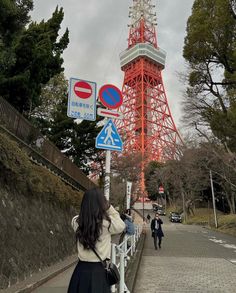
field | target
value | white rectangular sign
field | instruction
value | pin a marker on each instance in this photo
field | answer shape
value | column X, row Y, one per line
column 128, row 194
column 82, row 99
column 110, row 113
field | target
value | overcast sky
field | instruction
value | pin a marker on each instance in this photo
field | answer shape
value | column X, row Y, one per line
column 98, row 34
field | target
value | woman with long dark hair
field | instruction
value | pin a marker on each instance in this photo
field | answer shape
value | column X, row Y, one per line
column 97, row 221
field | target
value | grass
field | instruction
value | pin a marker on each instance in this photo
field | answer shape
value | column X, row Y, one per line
column 204, row 216
column 18, row 173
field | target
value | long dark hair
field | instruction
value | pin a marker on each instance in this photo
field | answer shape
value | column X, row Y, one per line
column 92, row 213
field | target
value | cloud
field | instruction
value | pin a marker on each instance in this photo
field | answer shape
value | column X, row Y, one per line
column 99, row 32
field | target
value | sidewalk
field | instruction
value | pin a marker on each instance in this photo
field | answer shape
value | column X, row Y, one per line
column 39, row 278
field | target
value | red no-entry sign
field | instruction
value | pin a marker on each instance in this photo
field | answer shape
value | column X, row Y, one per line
column 83, row 89
column 161, row 189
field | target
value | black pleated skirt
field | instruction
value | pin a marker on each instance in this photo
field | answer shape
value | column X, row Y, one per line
column 89, row 277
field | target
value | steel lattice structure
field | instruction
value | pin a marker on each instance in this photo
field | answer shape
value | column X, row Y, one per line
column 148, row 126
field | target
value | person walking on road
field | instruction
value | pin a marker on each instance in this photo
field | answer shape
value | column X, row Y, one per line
column 97, row 221
column 157, row 230
column 148, row 218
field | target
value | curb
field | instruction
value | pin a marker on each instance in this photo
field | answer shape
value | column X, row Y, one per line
column 133, row 267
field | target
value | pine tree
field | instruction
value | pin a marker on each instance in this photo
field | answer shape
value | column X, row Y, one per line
column 35, row 54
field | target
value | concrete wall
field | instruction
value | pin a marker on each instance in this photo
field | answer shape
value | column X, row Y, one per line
column 34, row 233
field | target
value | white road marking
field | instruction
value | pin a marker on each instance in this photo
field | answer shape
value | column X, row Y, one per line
column 223, row 243
column 233, row 261
column 217, row 241
column 232, row 246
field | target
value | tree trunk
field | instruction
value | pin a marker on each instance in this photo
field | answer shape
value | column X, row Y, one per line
column 233, row 201
column 229, row 194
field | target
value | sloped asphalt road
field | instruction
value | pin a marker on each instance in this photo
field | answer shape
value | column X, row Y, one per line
column 192, row 259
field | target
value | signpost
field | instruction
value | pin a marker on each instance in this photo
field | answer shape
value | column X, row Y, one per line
column 82, row 99
column 161, row 192
column 109, row 139
column 128, row 194
column 82, row 105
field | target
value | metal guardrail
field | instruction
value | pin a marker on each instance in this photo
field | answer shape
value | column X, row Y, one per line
column 121, row 254
column 40, row 148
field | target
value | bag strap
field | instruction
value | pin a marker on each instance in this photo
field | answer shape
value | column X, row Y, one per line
column 98, row 257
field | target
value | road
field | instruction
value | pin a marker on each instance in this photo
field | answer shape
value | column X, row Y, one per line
column 192, row 259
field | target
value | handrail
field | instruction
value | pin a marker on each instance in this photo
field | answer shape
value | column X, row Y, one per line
column 43, row 150
column 120, row 255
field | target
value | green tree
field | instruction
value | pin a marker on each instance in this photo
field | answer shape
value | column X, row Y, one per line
column 152, row 180
column 35, row 56
column 52, row 94
column 75, row 139
column 210, row 49
column 13, row 18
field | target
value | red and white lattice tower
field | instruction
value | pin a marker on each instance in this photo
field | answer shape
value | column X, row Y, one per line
column 148, row 127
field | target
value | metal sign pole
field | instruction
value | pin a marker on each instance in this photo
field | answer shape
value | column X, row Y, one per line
column 128, row 193
column 107, row 174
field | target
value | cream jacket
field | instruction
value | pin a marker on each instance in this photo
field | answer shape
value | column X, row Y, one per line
column 103, row 245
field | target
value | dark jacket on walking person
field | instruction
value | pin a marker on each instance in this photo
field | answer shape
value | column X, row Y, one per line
column 157, row 230
column 97, row 221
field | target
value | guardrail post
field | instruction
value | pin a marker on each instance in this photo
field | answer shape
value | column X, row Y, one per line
column 122, row 272
column 125, row 248
column 132, row 245
column 113, row 260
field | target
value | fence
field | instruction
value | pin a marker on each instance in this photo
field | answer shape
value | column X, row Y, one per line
column 40, row 148
column 121, row 254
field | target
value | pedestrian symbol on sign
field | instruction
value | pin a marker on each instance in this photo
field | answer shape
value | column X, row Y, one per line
column 109, row 138
column 109, row 133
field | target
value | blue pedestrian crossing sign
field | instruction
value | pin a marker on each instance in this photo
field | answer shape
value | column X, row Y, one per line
column 108, row 138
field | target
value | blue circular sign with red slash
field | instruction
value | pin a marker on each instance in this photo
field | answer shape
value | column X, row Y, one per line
column 110, row 96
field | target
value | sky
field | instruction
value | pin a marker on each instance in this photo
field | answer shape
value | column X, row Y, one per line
column 98, row 33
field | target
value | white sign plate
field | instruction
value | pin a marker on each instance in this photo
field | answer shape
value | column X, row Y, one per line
column 82, row 99
column 110, row 113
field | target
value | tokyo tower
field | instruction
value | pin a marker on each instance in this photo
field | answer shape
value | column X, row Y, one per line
column 148, row 127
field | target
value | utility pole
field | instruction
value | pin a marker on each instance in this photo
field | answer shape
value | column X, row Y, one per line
column 213, row 200
column 184, row 209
